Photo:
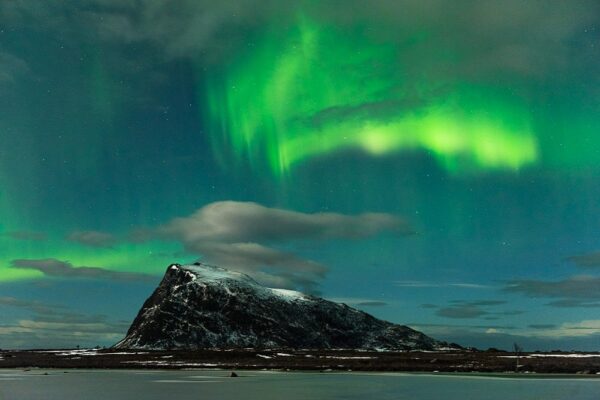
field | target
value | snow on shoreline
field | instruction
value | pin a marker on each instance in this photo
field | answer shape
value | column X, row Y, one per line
column 89, row 352
column 572, row 355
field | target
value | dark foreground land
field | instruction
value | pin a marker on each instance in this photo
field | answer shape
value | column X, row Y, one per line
column 323, row 360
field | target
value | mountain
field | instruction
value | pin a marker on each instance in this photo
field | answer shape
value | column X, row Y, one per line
column 200, row 306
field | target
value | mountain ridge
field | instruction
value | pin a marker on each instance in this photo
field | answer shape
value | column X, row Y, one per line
column 198, row 306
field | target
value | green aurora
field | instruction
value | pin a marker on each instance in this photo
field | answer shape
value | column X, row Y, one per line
column 475, row 122
column 321, row 90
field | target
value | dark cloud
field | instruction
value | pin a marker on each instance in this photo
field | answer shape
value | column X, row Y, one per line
column 590, row 260
column 573, row 303
column 464, row 326
column 484, row 337
column 541, row 326
column 371, row 303
column 463, row 309
column 32, row 306
column 230, row 234
column 188, row 27
column 92, row 238
column 582, row 287
column 480, row 303
column 95, row 327
column 510, row 312
column 51, row 312
column 52, row 325
column 380, row 110
column 27, row 235
column 526, row 38
column 36, row 333
column 63, row 269
column 359, row 302
column 491, row 36
column 424, row 284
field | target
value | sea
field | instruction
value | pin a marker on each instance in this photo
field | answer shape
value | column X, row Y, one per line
column 53, row 384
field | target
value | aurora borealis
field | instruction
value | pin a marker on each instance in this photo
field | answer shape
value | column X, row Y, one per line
column 434, row 163
column 320, row 90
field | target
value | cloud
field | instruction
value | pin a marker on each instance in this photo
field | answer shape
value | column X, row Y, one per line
column 485, row 36
column 573, row 329
column 50, row 312
column 580, row 291
column 479, row 303
column 585, row 327
column 33, row 333
column 53, row 325
column 196, row 26
column 541, row 326
column 241, row 236
column 92, row 238
column 32, row 306
column 11, row 67
column 509, row 312
column 581, row 287
column 371, row 303
column 462, row 309
column 359, row 302
column 63, row 269
column 175, row 30
column 269, row 266
column 590, row 260
column 26, row 235
column 379, row 109
column 582, row 335
column 253, row 256
column 424, row 284
column 489, row 35
column 231, row 221
column 461, row 312
column 573, row 303
column 463, row 326
column 93, row 327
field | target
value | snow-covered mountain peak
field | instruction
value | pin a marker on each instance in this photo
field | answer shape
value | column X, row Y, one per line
column 211, row 273
column 200, row 306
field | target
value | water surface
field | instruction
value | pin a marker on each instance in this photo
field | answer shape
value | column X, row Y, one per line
column 265, row 385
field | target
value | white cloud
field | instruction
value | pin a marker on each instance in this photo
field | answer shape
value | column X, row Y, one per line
column 572, row 329
column 243, row 236
column 232, row 221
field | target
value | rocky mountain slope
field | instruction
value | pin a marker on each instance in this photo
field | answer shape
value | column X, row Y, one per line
column 199, row 307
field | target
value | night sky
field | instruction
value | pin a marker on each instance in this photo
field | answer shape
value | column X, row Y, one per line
column 434, row 163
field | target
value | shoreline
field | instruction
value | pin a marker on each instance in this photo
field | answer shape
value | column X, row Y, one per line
column 47, row 371
column 442, row 362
